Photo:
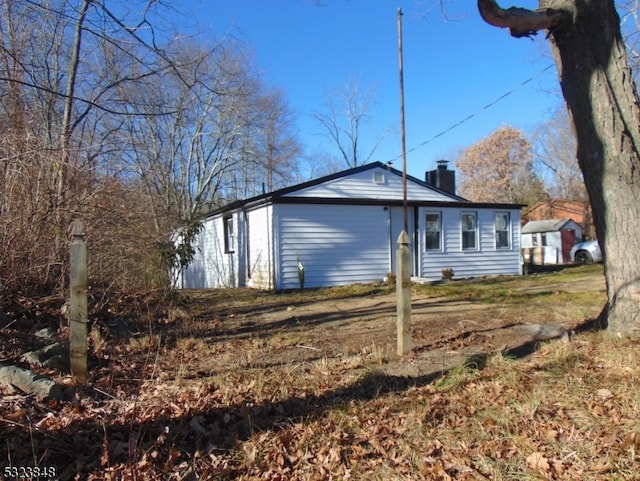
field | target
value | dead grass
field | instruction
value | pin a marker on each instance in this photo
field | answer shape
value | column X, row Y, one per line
column 237, row 388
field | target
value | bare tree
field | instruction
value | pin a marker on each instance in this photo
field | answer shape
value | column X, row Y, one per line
column 630, row 25
column 597, row 84
column 58, row 84
column 348, row 110
column 499, row 168
column 280, row 148
column 555, row 158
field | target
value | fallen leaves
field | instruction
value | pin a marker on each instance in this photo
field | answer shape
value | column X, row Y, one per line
column 568, row 414
column 538, row 462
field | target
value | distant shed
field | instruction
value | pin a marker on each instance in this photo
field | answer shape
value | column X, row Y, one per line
column 554, row 237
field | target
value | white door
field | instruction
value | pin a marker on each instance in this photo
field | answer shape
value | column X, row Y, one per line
column 396, row 216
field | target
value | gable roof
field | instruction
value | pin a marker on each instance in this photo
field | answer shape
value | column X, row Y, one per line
column 550, row 225
column 373, row 181
column 334, row 188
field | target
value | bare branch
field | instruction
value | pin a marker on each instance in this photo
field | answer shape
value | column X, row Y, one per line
column 521, row 22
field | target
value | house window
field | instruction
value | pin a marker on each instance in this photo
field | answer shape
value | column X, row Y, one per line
column 469, row 231
column 378, row 178
column 502, row 225
column 228, row 234
column 543, row 239
column 433, row 231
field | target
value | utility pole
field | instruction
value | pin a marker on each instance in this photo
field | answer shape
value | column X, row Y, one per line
column 403, row 254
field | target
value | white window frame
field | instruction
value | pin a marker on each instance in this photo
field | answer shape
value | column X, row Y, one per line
column 464, row 229
column 506, row 229
column 229, row 234
column 378, row 177
column 427, row 230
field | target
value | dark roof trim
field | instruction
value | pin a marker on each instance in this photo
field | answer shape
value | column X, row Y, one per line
column 376, row 202
column 394, row 202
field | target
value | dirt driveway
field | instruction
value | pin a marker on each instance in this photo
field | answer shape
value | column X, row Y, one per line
column 258, row 331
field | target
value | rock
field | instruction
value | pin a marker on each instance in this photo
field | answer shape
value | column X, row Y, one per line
column 46, row 333
column 543, row 332
column 52, row 356
column 31, row 383
column 58, row 363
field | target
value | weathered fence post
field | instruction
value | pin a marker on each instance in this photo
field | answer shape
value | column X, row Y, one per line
column 78, row 302
column 403, row 293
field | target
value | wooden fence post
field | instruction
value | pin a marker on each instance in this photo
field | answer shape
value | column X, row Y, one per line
column 78, row 302
column 403, row 294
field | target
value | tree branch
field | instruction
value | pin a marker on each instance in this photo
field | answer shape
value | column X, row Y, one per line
column 521, row 22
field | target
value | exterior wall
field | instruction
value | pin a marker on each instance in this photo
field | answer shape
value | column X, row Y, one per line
column 363, row 185
column 485, row 260
column 337, row 244
column 397, row 226
column 215, row 265
column 552, row 243
column 259, row 234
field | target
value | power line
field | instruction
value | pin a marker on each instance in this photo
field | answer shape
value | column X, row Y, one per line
column 478, row 112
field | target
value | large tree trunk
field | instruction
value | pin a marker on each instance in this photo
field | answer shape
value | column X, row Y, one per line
column 601, row 97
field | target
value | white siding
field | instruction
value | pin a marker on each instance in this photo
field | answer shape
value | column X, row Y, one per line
column 212, row 266
column 552, row 243
column 337, row 244
column 260, row 247
column 486, row 260
column 397, row 226
column 362, row 186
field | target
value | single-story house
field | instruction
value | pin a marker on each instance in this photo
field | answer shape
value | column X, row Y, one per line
column 549, row 241
column 343, row 229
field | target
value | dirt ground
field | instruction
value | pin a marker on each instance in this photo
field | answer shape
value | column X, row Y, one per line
column 361, row 329
column 220, row 371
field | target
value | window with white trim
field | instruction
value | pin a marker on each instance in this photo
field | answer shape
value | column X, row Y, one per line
column 433, row 231
column 469, row 231
column 378, row 177
column 502, row 227
column 229, row 235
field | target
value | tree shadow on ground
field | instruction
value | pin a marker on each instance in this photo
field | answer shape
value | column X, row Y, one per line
column 95, row 442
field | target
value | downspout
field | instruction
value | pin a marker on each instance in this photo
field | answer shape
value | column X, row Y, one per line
column 273, row 257
column 416, row 242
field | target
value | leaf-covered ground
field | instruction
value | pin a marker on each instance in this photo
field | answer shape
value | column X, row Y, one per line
column 306, row 386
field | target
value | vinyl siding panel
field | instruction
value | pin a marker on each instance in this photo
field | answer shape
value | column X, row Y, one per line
column 260, row 247
column 338, row 245
column 363, row 186
column 485, row 260
column 213, row 267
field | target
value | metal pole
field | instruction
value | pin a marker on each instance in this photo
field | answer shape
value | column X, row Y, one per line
column 402, row 129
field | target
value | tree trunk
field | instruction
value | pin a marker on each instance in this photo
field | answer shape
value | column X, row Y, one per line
column 601, row 96
column 602, row 101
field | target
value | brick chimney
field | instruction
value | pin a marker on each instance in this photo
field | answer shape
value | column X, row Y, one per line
column 442, row 178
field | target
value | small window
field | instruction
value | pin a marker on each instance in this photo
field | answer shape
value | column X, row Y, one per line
column 502, row 226
column 543, row 239
column 229, row 235
column 433, row 231
column 469, row 231
column 378, row 177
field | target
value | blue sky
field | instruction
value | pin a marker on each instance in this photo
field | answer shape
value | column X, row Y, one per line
column 454, row 66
